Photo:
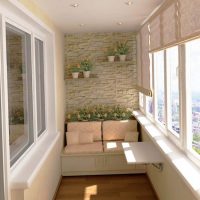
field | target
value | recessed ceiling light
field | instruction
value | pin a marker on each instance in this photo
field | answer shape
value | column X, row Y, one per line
column 75, row 5
column 129, row 3
column 82, row 25
column 119, row 23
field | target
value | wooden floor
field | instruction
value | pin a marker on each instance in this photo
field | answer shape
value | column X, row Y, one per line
column 115, row 187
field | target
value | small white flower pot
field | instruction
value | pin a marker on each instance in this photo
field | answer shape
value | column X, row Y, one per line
column 75, row 74
column 122, row 57
column 111, row 58
column 86, row 74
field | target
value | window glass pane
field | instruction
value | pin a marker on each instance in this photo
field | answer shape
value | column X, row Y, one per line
column 159, row 86
column 149, row 103
column 193, row 63
column 19, row 91
column 39, row 64
column 172, row 66
column 141, row 99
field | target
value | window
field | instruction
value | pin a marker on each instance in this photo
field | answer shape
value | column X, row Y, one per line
column 22, row 129
column 40, row 90
column 20, row 99
column 159, row 87
column 149, row 105
column 172, row 64
column 141, row 99
column 193, row 94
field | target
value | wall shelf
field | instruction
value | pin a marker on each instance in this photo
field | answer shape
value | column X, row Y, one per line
column 81, row 77
column 116, row 62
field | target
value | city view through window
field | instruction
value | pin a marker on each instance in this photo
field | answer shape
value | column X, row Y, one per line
column 172, row 67
column 159, row 76
column 193, row 64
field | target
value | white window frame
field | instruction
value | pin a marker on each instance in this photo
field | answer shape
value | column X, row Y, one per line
column 184, row 140
column 14, row 12
column 36, row 36
column 187, row 120
column 176, row 138
column 161, row 126
column 148, row 114
column 16, row 25
column 142, row 107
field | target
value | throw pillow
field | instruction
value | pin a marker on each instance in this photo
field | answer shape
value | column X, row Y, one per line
column 131, row 136
column 72, row 137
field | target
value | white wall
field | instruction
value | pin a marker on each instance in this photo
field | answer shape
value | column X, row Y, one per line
column 167, row 183
column 46, row 181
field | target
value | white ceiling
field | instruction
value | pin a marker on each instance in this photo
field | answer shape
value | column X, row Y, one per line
column 98, row 15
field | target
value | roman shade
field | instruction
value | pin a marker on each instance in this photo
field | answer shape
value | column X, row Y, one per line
column 155, row 33
column 189, row 18
column 143, row 61
column 139, row 66
column 169, row 25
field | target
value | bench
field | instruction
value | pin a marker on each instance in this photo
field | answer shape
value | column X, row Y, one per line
column 95, row 148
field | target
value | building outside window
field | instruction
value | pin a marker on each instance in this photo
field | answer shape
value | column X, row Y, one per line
column 159, row 86
column 172, row 64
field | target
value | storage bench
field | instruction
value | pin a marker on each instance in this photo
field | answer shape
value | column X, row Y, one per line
column 103, row 155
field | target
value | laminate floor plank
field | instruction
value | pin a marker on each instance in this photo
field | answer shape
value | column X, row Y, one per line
column 109, row 187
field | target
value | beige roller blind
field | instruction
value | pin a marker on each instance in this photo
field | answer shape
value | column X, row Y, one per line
column 189, row 11
column 144, row 84
column 169, row 25
column 155, row 33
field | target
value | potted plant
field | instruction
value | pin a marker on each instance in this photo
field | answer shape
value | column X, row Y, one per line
column 122, row 50
column 111, row 55
column 75, row 69
column 86, row 67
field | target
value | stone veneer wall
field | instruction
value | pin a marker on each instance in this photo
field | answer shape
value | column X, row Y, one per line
column 115, row 82
column 15, row 82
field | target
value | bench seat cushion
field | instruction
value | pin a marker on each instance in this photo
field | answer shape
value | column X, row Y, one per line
column 113, row 146
column 95, row 147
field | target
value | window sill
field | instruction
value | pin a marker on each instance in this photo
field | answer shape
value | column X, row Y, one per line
column 180, row 162
column 23, row 175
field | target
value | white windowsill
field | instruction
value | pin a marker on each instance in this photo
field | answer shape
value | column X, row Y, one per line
column 181, row 163
column 23, row 175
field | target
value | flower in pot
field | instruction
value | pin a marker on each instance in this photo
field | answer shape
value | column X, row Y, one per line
column 75, row 69
column 111, row 55
column 122, row 50
column 86, row 67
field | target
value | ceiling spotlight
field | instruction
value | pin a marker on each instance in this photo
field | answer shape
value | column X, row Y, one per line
column 129, row 3
column 75, row 5
column 82, row 25
column 119, row 23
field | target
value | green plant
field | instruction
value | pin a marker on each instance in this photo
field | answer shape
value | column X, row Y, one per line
column 100, row 113
column 122, row 48
column 16, row 116
column 111, row 52
column 86, row 65
column 75, row 68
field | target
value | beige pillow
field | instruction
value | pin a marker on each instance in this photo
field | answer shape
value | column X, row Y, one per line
column 85, row 138
column 131, row 136
column 72, row 137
